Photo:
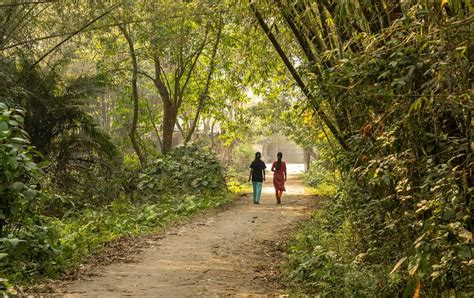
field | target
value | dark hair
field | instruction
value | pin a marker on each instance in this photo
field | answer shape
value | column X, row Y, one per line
column 258, row 155
column 278, row 165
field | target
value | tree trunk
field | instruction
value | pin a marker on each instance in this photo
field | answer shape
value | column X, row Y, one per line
column 180, row 129
column 133, row 127
column 228, row 153
column 212, row 136
column 157, row 132
column 170, row 112
column 172, row 97
column 169, row 109
column 206, row 126
column 307, row 159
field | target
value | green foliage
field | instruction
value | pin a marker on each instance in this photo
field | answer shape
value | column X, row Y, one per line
column 400, row 93
column 18, row 191
column 17, row 168
column 47, row 246
column 321, row 260
column 60, row 244
column 322, row 178
column 49, row 233
column 185, row 170
column 65, row 98
column 237, row 181
column 59, row 127
column 243, row 154
column 393, row 77
column 86, row 233
column 32, row 250
column 63, row 131
column 407, row 196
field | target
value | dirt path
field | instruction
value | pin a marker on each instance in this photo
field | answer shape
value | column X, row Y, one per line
column 230, row 252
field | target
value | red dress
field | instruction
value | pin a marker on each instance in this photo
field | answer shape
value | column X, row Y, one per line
column 279, row 176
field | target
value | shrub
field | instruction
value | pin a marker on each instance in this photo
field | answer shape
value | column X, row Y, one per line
column 322, row 178
column 407, row 189
column 25, row 243
column 186, row 170
column 17, row 168
column 322, row 260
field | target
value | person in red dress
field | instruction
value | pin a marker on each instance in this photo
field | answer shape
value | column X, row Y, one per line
column 279, row 176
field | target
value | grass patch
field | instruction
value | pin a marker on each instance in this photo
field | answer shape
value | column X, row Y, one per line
column 325, row 189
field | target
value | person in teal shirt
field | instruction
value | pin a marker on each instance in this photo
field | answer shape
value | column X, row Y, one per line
column 257, row 175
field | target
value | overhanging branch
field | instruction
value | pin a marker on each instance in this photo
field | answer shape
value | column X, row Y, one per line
column 322, row 115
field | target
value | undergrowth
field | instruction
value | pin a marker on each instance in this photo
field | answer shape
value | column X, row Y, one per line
column 60, row 244
column 321, row 260
column 327, row 256
column 319, row 180
column 56, row 240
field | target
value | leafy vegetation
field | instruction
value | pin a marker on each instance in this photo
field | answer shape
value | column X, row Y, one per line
column 394, row 92
column 117, row 118
column 186, row 170
column 18, row 170
column 40, row 245
column 321, row 260
column 60, row 244
column 81, row 165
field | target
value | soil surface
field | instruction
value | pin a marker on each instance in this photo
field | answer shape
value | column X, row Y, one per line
column 234, row 251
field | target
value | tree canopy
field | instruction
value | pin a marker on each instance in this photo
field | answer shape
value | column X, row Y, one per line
column 120, row 95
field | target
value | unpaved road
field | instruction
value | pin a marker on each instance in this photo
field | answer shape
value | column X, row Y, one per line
column 228, row 252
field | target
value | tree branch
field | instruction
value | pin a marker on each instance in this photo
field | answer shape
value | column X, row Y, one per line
column 205, row 92
column 157, row 132
column 68, row 38
column 193, row 65
column 298, row 79
column 134, row 82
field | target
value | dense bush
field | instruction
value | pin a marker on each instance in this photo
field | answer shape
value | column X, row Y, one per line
column 323, row 260
column 319, row 261
column 55, row 233
column 243, row 154
column 17, row 169
column 322, row 178
column 21, row 230
column 185, row 170
column 56, row 118
column 406, row 186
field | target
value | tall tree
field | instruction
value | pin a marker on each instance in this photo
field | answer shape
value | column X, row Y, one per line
column 134, row 82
